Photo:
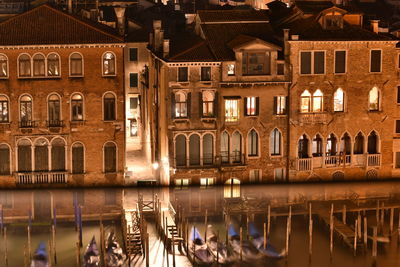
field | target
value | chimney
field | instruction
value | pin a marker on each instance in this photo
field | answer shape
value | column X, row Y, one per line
column 120, row 13
column 166, row 48
column 285, row 42
column 158, row 35
column 374, row 25
column 70, row 6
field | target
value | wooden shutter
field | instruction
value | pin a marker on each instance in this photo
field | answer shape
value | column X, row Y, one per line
column 275, row 105
column 257, row 105
column 58, row 158
column 215, row 108
column 245, row 106
column 287, row 105
column 41, row 158
column 110, row 158
column 173, row 106
column 77, row 159
column 189, row 102
column 375, row 60
column 200, row 104
column 398, row 94
column 319, row 62
column 24, row 159
column 4, row 160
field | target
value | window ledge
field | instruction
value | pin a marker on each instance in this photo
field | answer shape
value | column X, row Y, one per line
column 76, row 76
column 109, row 75
column 275, row 156
column 253, row 157
column 38, row 77
column 208, row 119
column 181, row 120
column 4, row 78
column 280, row 115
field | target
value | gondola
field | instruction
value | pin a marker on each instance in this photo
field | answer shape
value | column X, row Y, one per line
column 91, row 258
column 248, row 251
column 40, row 258
column 258, row 241
column 115, row 257
column 218, row 249
column 199, row 249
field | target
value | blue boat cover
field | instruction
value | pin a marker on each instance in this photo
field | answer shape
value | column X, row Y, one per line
column 232, row 231
column 253, row 230
column 195, row 234
column 41, row 250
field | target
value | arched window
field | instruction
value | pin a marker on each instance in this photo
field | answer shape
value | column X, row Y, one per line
column 109, row 107
column 372, row 143
column 208, row 149
column 58, row 155
column 24, row 156
column 338, row 176
column 25, row 111
column 180, row 105
column 78, row 157
column 38, row 65
column 4, row 109
column 180, row 150
column 275, row 142
column 338, row 100
column 317, row 146
column 374, row 98
column 232, row 188
column 110, row 157
column 75, row 64
column 359, row 144
column 372, row 174
column 4, row 159
column 3, row 66
column 54, row 111
column 318, row 99
column 24, row 65
column 53, row 65
column 331, row 145
column 345, row 144
column 208, row 104
column 305, row 102
column 194, row 150
column 252, row 143
column 41, row 155
column 225, row 145
column 236, row 155
column 303, row 147
column 108, row 64
column 77, row 107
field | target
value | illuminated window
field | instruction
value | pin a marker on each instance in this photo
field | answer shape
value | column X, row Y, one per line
column 108, row 64
column 206, row 74
column 317, row 146
column 180, row 105
column 4, row 109
column 208, row 103
column 331, row 145
column 305, row 102
column 232, row 188
column 24, row 65
column 182, row 182
column 206, row 182
column 252, row 143
column 54, row 110
column 374, row 99
column 38, row 65
column 256, row 63
column 338, row 100
column 252, row 105
column 3, row 66
column 275, row 142
column 77, row 107
column 317, row 101
column 280, row 105
column 25, row 109
column 231, row 110
column 231, row 69
column 75, row 64
column 53, row 65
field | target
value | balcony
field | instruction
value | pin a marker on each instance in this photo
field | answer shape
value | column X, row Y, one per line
column 27, row 124
column 304, row 164
column 235, row 158
column 314, row 118
column 374, row 160
column 41, row 178
column 337, row 161
column 211, row 161
column 55, row 123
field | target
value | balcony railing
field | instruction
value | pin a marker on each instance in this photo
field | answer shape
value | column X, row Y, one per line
column 304, row 164
column 27, row 124
column 314, row 118
column 234, row 158
column 54, row 123
column 212, row 161
column 374, row 160
column 337, row 160
column 41, row 178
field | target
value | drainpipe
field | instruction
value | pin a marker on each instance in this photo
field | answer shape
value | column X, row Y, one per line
column 286, row 52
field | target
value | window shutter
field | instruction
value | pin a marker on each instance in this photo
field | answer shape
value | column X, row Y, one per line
column 172, row 105
column 215, row 108
column 398, row 94
column 274, row 111
column 257, row 105
column 287, row 105
column 245, row 106
column 189, row 102
column 201, row 105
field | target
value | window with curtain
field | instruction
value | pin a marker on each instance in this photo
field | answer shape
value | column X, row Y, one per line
column 232, row 188
column 4, row 159
column 373, row 99
column 180, row 105
column 252, row 143
column 231, row 110
column 3, row 66
column 25, row 109
column 38, row 65
column 275, row 142
column 317, row 100
column 225, row 147
column 110, row 157
column 75, row 64
column 109, row 107
column 108, row 64
column 53, row 65
column 77, row 107
column 58, row 155
column 4, row 109
column 54, row 110
column 338, row 100
column 24, row 65
column 208, row 103
column 77, row 158
column 305, row 102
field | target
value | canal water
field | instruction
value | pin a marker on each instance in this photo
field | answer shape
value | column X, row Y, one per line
column 232, row 204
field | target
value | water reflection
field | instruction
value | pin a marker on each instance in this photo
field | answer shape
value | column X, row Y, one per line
column 234, row 204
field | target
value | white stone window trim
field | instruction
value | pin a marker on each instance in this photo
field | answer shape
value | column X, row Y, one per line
column 8, row 67
column 312, row 63
column 102, row 65
column 70, row 67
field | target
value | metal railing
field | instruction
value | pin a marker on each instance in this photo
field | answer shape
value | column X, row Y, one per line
column 41, row 178
column 312, row 118
column 54, row 123
column 27, row 124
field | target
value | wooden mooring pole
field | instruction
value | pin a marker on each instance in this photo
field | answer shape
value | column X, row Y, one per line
column 310, row 232
column 374, row 243
column 331, row 231
column 287, row 233
column 355, row 236
column 365, row 232
column 241, row 243
column 147, row 251
column 269, row 220
column 265, row 235
column 391, row 220
column 5, row 246
column 344, row 213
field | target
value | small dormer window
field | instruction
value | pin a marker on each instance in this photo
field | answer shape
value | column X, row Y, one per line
column 333, row 22
column 256, row 63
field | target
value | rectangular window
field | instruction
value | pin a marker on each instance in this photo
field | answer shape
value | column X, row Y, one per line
column 182, row 182
column 398, row 126
column 231, row 69
column 231, row 110
column 256, row 63
column 133, row 79
column 375, row 63
column 4, row 110
column 312, row 62
column 182, row 74
column 205, row 74
column 4, row 160
column 206, row 182
column 398, row 94
column 207, row 103
column 397, row 164
column 110, row 197
column 280, row 69
column 280, row 105
column 133, row 54
column 279, row 174
column 251, row 106
column 340, row 61
column 6, row 199
column 255, row 176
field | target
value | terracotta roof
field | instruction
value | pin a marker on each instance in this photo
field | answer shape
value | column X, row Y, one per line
column 189, row 47
column 48, row 25
column 231, row 15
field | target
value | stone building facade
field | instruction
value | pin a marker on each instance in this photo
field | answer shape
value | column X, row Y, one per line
column 62, row 101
